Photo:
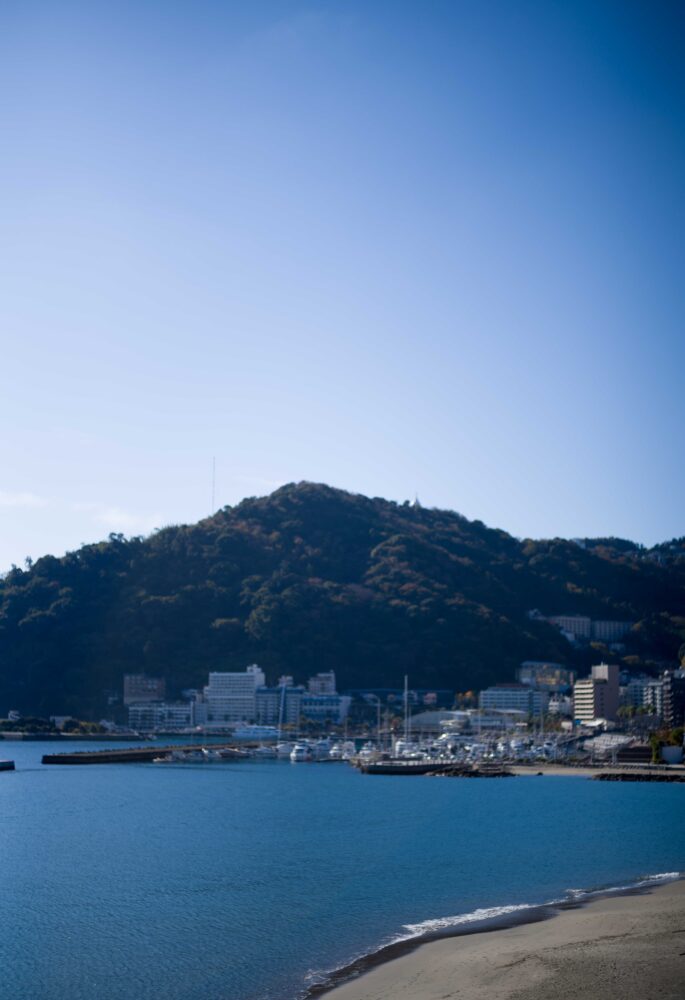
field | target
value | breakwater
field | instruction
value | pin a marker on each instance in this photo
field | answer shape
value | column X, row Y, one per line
column 130, row 755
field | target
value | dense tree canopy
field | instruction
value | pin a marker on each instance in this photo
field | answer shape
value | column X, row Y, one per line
column 313, row 578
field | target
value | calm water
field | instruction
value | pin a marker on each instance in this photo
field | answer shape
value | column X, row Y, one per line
column 237, row 882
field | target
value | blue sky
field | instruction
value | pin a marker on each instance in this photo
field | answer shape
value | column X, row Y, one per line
column 401, row 248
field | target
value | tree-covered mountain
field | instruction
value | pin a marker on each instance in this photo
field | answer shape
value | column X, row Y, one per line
column 313, row 578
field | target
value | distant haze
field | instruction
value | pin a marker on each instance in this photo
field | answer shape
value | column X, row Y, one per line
column 401, row 248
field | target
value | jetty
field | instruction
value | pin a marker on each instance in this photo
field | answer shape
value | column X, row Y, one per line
column 135, row 755
column 640, row 775
column 435, row 768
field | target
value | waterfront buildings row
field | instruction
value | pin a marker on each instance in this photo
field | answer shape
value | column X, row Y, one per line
column 234, row 697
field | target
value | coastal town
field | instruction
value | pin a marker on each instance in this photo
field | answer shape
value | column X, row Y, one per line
column 547, row 715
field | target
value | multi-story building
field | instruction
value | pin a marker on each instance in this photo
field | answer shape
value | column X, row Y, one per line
column 584, row 629
column 596, row 697
column 644, row 692
column 147, row 717
column 513, row 697
column 231, row 697
column 610, row 631
column 280, row 705
column 322, row 683
column 325, row 707
column 139, row 688
column 674, row 698
column 578, row 626
column 550, row 677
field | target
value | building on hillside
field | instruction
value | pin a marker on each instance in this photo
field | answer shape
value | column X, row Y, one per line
column 513, row 697
column 610, row 631
column 139, row 688
column 231, row 697
column 581, row 628
column 578, row 626
column 674, row 698
column 323, row 683
column 150, row 717
column 596, row 697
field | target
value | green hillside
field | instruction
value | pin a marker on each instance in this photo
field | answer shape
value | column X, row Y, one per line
column 313, row 578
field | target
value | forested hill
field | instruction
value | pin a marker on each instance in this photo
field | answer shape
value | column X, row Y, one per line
column 313, row 578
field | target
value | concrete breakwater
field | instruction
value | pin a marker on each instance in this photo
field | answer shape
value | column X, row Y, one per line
column 130, row 755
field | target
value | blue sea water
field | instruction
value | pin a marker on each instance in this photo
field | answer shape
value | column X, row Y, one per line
column 247, row 881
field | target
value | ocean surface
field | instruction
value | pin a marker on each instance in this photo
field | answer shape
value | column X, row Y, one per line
column 252, row 881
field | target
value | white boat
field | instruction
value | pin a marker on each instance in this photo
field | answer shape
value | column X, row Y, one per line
column 300, row 752
column 283, row 749
column 262, row 753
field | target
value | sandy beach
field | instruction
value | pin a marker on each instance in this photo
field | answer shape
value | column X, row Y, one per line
column 628, row 947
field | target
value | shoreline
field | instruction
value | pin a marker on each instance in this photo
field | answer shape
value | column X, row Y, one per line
column 455, row 960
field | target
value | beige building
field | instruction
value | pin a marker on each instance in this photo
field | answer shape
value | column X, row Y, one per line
column 596, row 697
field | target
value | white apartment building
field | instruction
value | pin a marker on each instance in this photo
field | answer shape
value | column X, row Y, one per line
column 644, row 692
column 147, row 717
column 579, row 626
column 230, row 698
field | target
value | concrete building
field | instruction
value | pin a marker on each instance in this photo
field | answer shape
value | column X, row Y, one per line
column 282, row 704
column 149, row 717
column 323, row 683
column 231, row 697
column 325, row 707
column 596, row 697
column 610, row 631
column 139, row 688
column 644, row 692
column 674, row 698
column 513, row 697
column 581, row 628
column 578, row 626
column 550, row 677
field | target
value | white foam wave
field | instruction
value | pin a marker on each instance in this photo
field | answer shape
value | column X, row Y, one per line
column 643, row 883
column 476, row 916
column 493, row 912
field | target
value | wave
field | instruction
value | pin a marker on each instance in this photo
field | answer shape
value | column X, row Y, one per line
column 474, row 921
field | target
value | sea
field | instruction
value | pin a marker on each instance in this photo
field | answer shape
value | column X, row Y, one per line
column 258, row 880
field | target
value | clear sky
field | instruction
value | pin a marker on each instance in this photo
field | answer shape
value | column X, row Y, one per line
column 399, row 247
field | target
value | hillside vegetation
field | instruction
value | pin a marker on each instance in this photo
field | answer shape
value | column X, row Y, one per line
column 313, row 578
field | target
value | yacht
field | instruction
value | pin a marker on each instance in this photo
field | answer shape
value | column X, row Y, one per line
column 301, row 751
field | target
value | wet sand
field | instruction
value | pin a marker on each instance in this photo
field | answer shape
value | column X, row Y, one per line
column 628, row 947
